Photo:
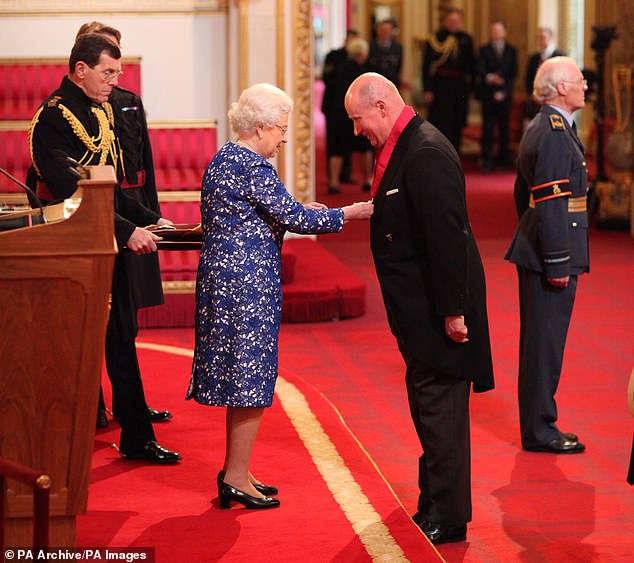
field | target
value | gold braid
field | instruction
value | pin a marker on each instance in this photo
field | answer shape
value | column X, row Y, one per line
column 30, row 137
column 448, row 47
column 104, row 143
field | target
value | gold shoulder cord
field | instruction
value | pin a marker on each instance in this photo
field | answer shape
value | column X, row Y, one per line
column 30, row 138
column 104, row 144
column 446, row 48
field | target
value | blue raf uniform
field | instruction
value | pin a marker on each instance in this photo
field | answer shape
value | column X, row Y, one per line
column 551, row 241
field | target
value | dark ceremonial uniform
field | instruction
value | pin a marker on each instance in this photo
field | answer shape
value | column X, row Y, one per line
column 429, row 267
column 496, row 111
column 551, row 241
column 143, row 271
column 70, row 122
column 534, row 62
column 448, row 71
column 387, row 60
column 138, row 183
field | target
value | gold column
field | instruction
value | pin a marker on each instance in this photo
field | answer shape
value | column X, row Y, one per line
column 303, row 145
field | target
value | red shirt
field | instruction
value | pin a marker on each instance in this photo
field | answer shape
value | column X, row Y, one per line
column 384, row 154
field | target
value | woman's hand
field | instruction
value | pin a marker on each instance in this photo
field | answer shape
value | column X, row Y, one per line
column 163, row 221
column 358, row 211
column 314, row 205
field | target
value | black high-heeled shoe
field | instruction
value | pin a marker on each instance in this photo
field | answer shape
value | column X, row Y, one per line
column 266, row 490
column 227, row 493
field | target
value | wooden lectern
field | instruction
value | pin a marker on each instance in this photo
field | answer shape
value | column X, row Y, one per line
column 55, row 281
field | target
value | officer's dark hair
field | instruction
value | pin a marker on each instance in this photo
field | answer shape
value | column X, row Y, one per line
column 98, row 27
column 89, row 47
column 452, row 10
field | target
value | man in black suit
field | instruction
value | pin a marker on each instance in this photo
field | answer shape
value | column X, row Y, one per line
column 550, row 249
column 386, row 54
column 433, row 287
column 448, row 73
column 497, row 68
column 77, row 120
column 546, row 50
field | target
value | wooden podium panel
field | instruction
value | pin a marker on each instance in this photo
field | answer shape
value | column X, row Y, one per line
column 55, row 281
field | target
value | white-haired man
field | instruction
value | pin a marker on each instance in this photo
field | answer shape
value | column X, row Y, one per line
column 550, row 248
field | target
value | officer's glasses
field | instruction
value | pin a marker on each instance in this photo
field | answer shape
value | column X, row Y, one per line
column 109, row 74
column 581, row 82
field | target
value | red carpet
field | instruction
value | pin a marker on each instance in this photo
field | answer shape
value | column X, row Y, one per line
column 175, row 509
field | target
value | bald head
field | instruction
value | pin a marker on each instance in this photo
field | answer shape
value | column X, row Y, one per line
column 374, row 104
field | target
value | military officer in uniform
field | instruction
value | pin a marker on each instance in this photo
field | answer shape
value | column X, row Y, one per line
column 131, row 131
column 448, row 70
column 550, row 248
column 77, row 121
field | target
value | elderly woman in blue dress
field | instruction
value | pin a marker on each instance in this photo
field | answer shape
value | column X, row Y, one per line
column 245, row 212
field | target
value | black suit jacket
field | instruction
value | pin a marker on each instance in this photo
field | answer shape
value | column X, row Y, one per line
column 505, row 66
column 426, row 258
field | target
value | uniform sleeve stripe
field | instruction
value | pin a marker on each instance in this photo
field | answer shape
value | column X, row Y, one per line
column 562, row 181
column 553, row 196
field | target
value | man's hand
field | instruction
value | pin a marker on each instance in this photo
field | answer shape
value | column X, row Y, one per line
column 428, row 97
column 456, row 329
column 559, row 282
column 142, row 241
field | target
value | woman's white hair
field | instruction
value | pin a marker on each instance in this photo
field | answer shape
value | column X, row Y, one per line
column 262, row 104
column 549, row 74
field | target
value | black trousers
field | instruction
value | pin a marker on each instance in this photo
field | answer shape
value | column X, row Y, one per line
column 545, row 312
column 439, row 405
column 128, row 398
column 495, row 114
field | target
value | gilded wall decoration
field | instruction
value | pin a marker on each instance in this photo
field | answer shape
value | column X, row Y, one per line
column 65, row 7
column 303, row 95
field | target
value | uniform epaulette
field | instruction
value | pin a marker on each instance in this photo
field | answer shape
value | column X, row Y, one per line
column 557, row 122
column 54, row 101
column 550, row 190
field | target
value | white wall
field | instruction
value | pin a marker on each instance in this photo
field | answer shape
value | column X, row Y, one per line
column 183, row 67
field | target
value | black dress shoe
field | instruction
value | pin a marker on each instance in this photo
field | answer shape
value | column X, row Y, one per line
column 558, row 446
column 438, row 534
column 366, row 187
column 102, row 419
column 569, row 436
column 266, row 490
column 227, row 493
column 159, row 416
column 333, row 189
column 155, row 453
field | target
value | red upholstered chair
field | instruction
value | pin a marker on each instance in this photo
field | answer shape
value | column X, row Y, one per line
column 26, row 83
column 182, row 150
column 14, row 153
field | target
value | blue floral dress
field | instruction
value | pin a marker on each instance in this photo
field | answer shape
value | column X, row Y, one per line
column 245, row 212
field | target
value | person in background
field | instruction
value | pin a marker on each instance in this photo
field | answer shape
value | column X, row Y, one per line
column 246, row 211
column 386, row 54
column 329, row 71
column 143, row 271
column 546, row 50
column 497, row 68
column 340, row 139
column 434, row 290
column 78, row 121
column 448, row 72
column 550, row 249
